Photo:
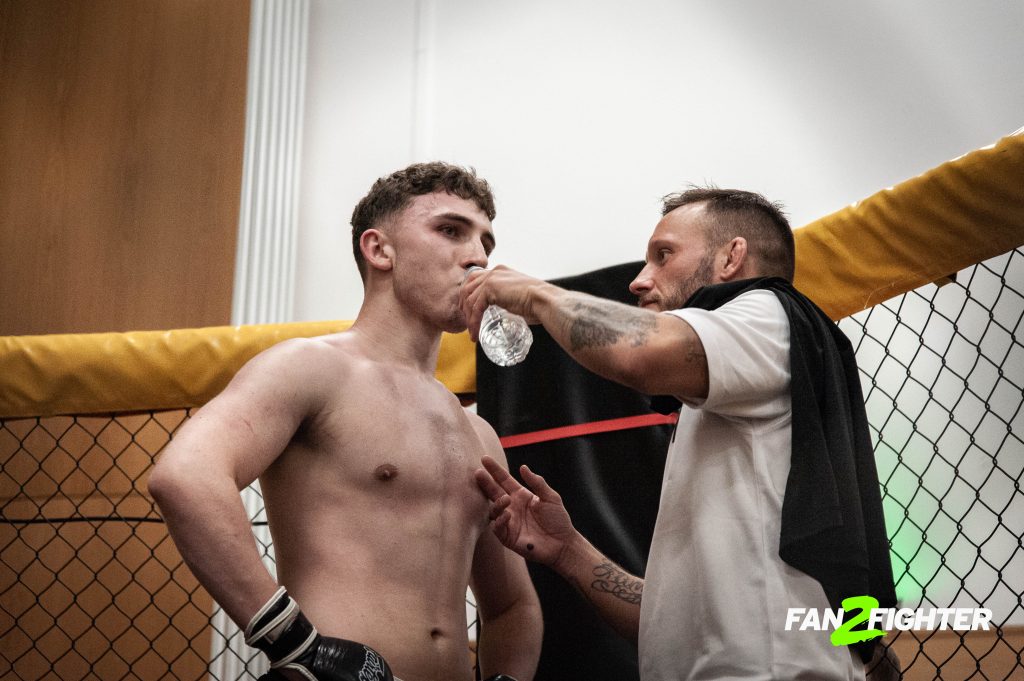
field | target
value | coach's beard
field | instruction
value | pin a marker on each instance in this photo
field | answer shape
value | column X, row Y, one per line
column 682, row 291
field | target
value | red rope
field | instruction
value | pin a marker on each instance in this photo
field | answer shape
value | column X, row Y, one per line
column 608, row 425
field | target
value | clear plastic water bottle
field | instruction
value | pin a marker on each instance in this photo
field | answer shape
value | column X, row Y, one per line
column 505, row 337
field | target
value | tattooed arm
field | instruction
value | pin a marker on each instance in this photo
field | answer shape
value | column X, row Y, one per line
column 533, row 522
column 614, row 593
column 658, row 354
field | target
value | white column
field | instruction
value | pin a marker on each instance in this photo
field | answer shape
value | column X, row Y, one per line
column 421, row 146
column 265, row 259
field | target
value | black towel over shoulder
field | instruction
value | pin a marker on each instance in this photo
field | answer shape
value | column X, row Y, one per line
column 833, row 527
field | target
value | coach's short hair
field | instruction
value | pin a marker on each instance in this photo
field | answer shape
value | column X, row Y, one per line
column 734, row 212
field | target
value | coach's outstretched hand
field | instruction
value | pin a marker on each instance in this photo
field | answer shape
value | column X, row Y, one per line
column 532, row 521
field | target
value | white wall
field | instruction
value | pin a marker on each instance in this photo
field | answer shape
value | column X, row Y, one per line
column 582, row 114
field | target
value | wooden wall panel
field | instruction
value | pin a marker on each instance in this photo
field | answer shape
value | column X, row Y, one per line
column 121, row 140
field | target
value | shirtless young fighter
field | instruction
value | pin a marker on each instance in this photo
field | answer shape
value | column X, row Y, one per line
column 366, row 464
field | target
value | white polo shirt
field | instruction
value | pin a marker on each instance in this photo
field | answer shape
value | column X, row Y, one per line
column 716, row 592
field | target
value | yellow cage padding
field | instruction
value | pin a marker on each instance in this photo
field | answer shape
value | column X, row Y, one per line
column 117, row 372
column 920, row 231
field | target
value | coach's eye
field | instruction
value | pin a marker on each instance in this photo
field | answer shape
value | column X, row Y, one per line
column 449, row 230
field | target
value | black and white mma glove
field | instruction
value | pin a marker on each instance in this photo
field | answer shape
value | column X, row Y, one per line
column 291, row 642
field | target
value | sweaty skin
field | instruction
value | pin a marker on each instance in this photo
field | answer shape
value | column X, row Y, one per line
column 366, row 466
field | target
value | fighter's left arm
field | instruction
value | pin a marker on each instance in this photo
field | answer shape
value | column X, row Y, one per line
column 511, row 627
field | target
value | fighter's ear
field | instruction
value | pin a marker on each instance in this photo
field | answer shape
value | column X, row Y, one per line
column 377, row 249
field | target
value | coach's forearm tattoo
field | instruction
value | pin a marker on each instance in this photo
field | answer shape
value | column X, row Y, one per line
column 595, row 323
column 612, row 579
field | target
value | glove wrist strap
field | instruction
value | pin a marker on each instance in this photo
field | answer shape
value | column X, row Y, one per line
column 280, row 629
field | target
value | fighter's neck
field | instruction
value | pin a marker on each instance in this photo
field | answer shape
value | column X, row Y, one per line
column 394, row 335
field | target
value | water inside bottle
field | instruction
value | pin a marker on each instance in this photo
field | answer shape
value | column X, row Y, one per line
column 505, row 338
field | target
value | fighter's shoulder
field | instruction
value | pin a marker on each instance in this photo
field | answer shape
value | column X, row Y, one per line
column 485, row 432
column 479, row 423
column 303, row 360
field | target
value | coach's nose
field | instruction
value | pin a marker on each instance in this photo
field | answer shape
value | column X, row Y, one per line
column 643, row 282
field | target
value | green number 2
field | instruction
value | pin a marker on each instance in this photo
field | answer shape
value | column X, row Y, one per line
column 844, row 635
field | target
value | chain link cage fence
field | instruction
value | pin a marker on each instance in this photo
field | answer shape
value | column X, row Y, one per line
column 91, row 586
column 943, row 374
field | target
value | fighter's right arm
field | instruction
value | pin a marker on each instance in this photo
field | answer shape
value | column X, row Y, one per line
column 226, row 445
column 533, row 522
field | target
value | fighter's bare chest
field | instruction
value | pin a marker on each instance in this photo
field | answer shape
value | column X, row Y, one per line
column 400, row 437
